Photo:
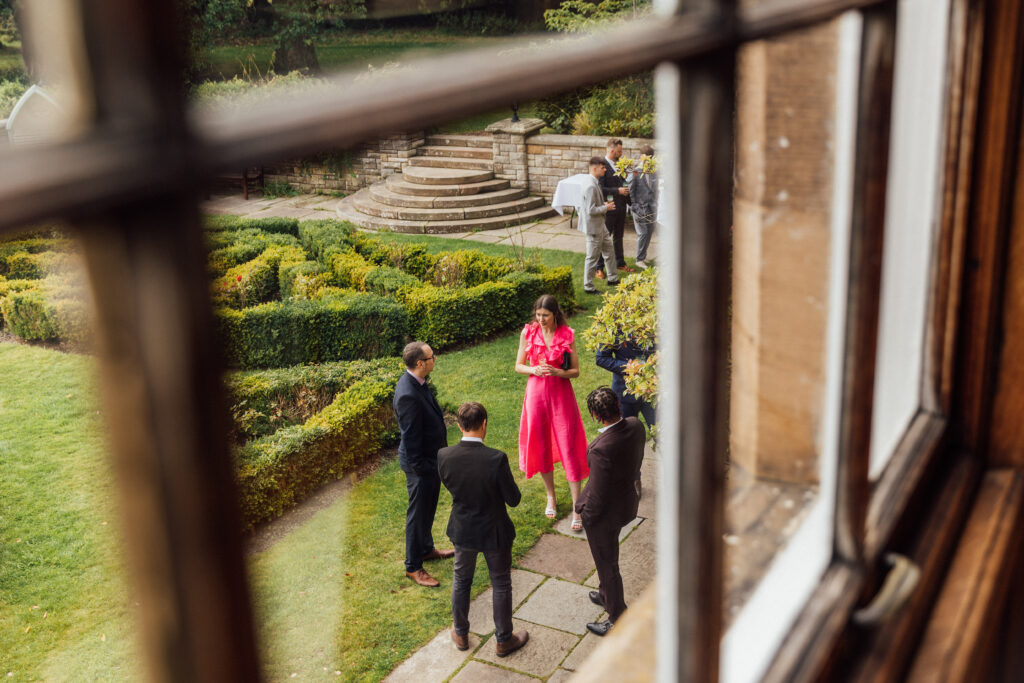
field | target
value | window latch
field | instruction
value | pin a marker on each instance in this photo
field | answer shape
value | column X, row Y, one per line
column 897, row 588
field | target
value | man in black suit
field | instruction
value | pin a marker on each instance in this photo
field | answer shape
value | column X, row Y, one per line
column 481, row 485
column 615, row 220
column 423, row 432
column 610, row 501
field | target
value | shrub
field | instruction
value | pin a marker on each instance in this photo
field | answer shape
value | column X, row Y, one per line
column 322, row 237
column 263, row 401
column 256, row 281
column 286, row 226
column 390, row 282
column 23, row 266
column 277, row 471
column 34, row 316
column 304, row 280
column 624, row 107
column 346, row 327
column 466, row 268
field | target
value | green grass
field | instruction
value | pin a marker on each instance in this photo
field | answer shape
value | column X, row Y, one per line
column 63, row 598
column 332, row 594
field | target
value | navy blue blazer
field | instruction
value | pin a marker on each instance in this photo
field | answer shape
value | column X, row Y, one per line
column 481, row 484
column 421, row 422
column 614, row 359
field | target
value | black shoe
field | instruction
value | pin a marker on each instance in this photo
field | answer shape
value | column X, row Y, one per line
column 599, row 628
column 595, row 598
column 590, row 291
column 613, row 283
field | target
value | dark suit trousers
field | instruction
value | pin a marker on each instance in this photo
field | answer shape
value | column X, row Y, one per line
column 615, row 222
column 604, row 546
column 419, row 518
column 499, row 566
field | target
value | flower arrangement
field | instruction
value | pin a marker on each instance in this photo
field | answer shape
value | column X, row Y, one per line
column 645, row 164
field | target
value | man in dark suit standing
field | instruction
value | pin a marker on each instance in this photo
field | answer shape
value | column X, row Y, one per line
column 481, row 485
column 614, row 359
column 423, row 432
column 610, row 501
column 615, row 221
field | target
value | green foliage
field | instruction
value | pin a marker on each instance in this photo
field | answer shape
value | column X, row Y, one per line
column 34, row 315
column 276, row 334
column 10, row 92
column 263, row 401
column 478, row 22
column 575, row 16
column 621, row 108
column 631, row 312
column 279, row 470
column 279, row 188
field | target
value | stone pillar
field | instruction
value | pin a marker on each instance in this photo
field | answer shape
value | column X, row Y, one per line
column 396, row 150
column 784, row 162
column 509, row 145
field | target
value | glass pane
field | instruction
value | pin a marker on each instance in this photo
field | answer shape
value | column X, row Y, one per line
column 320, row 273
column 65, row 611
column 796, row 104
column 913, row 211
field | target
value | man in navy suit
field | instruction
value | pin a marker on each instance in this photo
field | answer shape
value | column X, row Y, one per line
column 614, row 359
column 609, row 501
column 423, row 433
column 481, row 484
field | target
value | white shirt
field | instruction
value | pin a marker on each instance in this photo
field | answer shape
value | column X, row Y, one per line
column 473, row 438
column 602, row 430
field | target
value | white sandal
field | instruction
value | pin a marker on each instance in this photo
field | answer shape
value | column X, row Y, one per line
column 550, row 511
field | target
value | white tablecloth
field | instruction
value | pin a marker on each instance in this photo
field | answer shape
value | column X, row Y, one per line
column 569, row 192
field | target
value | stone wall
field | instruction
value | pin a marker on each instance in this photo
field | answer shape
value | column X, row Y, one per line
column 351, row 170
column 551, row 158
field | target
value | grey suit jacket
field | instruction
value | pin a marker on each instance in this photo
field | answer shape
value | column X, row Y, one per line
column 592, row 209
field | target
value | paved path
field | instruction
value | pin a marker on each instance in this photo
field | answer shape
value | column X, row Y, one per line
column 550, row 233
column 549, row 592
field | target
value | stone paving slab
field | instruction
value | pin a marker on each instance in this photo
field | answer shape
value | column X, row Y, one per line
column 564, row 526
column 540, row 656
column 478, row 672
column 562, row 605
column 560, row 676
column 435, row 661
column 556, row 555
column 581, row 652
column 481, row 610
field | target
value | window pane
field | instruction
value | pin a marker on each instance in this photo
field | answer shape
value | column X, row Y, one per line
column 796, row 104
column 913, row 205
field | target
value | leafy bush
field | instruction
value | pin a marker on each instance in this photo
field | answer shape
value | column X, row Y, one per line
column 263, row 401
column 256, row 281
column 34, row 316
column 279, row 470
column 284, row 226
column 10, row 92
column 621, row 108
column 355, row 325
column 476, row 22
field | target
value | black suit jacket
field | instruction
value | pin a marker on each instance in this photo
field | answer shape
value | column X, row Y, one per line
column 610, row 184
column 422, row 425
column 614, row 458
column 481, row 484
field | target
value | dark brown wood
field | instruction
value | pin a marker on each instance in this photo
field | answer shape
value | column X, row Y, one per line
column 867, row 229
column 1007, row 438
column 118, row 165
column 991, row 201
column 696, row 342
column 966, row 32
column 961, row 631
column 900, row 481
column 884, row 654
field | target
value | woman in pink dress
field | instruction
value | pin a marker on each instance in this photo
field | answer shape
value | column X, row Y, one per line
column 551, row 429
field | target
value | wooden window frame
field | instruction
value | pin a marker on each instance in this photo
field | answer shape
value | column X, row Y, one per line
column 160, row 366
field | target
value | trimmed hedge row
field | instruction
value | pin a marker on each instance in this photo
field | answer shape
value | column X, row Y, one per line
column 348, row 326
column 277, row 471
column 263, row 401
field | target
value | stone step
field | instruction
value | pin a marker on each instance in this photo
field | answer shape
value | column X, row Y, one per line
column 398, row 185
column 431, row 175
column 383, row 193
column 459, row 140
column 346, row 211
column 452, row 151
column 369, row 205
column 452, row 162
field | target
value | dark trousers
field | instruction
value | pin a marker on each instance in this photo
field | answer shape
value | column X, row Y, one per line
column 419, row 518
column 604, row 546
column 499, row 566
column 615, row 222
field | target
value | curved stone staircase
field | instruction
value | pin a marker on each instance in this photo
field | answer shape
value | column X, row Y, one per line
column 448, row 187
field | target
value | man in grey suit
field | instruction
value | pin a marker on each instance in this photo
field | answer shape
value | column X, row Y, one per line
column 481, row 485
column 599, row 241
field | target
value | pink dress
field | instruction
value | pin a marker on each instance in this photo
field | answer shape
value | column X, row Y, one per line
column 551, row 429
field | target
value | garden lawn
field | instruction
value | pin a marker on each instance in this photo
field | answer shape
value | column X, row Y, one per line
column 332, row 595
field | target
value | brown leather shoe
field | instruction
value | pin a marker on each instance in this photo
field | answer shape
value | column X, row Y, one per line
column 421, row 577
column 599, row 275
column 461, row 642
column 436, row 554
column 517, row 640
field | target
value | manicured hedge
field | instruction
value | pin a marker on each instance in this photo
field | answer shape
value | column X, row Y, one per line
column 347, row 327
column 277, row 471
column 263, row 401
column 36, row 315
